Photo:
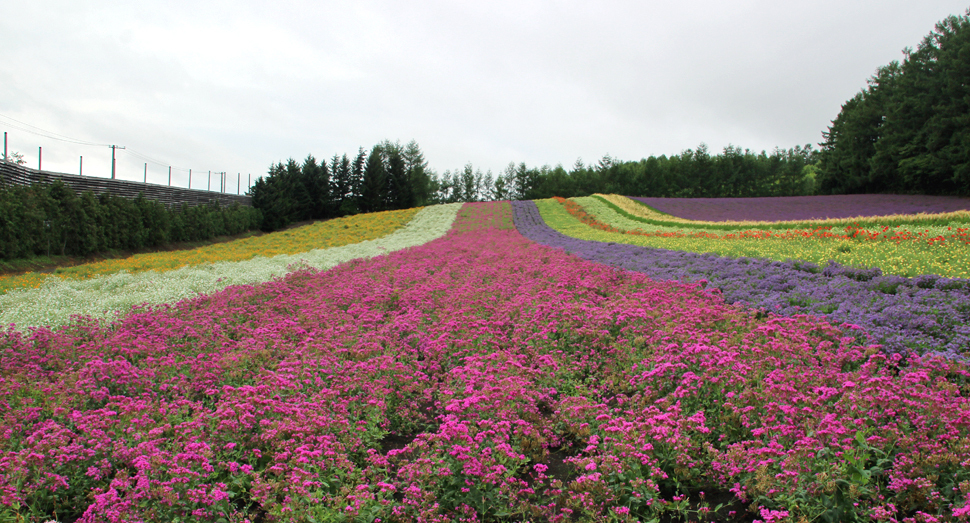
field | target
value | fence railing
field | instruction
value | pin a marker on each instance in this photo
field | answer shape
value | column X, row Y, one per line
column 11, row 173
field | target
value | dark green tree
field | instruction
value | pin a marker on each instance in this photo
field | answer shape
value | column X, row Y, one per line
column 909, row 130
column 374, row 191
column 418, row 173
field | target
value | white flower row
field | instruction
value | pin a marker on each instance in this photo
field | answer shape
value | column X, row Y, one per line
column 57, row 299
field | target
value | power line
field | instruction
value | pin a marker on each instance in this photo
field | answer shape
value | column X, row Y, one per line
column 33, row 129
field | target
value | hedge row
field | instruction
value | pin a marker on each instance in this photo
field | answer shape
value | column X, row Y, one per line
column 53, row 219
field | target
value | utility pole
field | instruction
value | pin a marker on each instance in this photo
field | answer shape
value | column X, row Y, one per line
column 113, row 147
column 5, row 146
column 80, row 168
column 169, row 175
column 209, row 187
column 145, row 180
column 190, row 178
column 238, row 178
column 40, row 156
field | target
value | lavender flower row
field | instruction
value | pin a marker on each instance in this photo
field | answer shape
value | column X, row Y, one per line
column 926, row 314
column 804, row 207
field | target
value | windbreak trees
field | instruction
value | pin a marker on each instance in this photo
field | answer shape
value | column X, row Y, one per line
column 51, row 219
column 909, row 130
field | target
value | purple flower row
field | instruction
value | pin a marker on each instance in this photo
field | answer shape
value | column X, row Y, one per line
column 922, row 314
column 804, row 207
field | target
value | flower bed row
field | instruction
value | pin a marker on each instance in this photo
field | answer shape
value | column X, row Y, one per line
column 922, row 314
column 951, row 259
column 319, row 235
column 479, row 377
column 804, row 207
column 602, row 210
column 57, row 300
column 893, row 213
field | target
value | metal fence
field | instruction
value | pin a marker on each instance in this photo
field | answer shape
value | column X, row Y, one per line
column 11, row 173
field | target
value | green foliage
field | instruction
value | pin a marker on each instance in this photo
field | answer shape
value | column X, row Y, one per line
column 375, row 190
column 692, row 174
column 53, row 220
column 909, row 130
column 388, row 177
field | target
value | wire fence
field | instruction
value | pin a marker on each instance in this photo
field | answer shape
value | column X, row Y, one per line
column 196, row 179
column 14, row 174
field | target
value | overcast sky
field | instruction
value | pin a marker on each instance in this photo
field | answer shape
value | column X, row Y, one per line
column 235, row 86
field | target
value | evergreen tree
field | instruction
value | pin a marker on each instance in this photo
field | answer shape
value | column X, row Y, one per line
column 374, row 192
column 339, row 183
column 909, row 130
column 417, row 168
column 357, row 178
column 316, row 183
column 400, row 191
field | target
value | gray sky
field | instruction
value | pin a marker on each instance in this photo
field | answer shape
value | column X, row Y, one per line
column 235, row 86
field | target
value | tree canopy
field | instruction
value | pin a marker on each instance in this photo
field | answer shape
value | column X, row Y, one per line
column 908, row 131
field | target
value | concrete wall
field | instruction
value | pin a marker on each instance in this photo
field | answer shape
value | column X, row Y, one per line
column 11, row 173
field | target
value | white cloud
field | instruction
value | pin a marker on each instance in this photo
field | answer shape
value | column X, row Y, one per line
column 237, row 85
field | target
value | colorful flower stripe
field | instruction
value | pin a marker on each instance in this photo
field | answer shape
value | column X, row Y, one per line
column 55, row 302
column 478, row 377
column 872, row 229
column 905, row 315
column 906, row 259
column 805, row 208
column 892, row 215
column 319, row 235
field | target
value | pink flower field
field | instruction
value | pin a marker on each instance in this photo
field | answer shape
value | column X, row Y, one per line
column 479, row 377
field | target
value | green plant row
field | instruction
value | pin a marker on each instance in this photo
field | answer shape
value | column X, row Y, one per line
column 53, row 220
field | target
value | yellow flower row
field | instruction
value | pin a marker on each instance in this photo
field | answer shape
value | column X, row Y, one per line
column 640, row 210
column 906, row 259
column 318, row 235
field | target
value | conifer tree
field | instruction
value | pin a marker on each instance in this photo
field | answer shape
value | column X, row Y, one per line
column 373, row 196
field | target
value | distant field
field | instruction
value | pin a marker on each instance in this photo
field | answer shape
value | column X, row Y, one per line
column 804, row 207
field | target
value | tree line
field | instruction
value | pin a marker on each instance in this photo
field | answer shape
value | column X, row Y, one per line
column 391, row 176
column 908, row 131
column 51, row 219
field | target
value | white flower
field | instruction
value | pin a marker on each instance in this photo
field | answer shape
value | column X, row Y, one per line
column 57, row 299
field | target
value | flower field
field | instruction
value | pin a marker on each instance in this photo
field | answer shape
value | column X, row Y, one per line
column 939, row 250
column 914, row 223
column 103, row 296
column 486, row 364
column 804, row 207
column 319, row 235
